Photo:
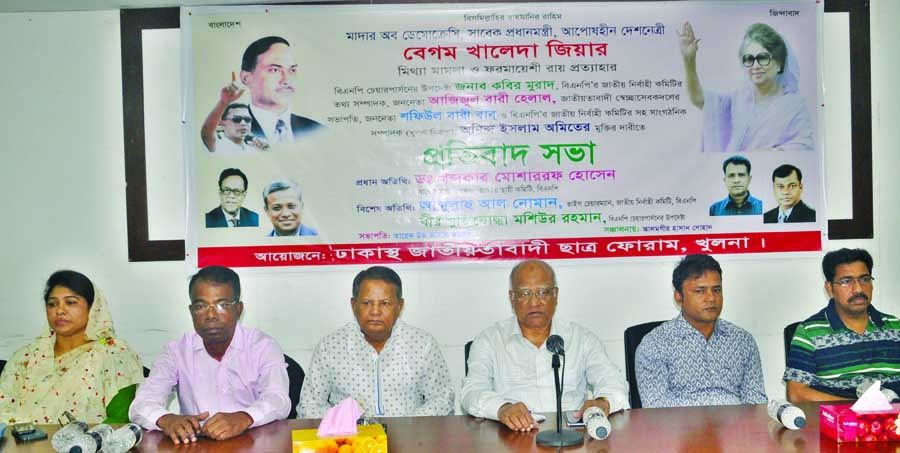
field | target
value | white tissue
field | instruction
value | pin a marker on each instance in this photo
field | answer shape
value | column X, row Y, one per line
column 872, row 400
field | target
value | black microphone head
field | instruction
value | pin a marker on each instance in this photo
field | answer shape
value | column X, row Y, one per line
column 556, row 345
column 248, row 139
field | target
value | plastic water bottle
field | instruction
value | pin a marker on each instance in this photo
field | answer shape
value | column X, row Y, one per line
column 596, row 423
column 91, row 441
column 790, row 416
column 124, row 439
column 63, row 439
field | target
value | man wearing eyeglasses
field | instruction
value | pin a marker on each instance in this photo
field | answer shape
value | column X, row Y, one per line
column 510, row 374
column 226, row 129
column 229, row 378
column 230, row 213
column 787, row 184
column 847, row 344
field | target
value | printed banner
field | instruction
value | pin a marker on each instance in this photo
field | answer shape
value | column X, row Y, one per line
column 353, row 134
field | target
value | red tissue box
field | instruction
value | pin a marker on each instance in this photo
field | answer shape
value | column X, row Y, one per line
column 842, row 424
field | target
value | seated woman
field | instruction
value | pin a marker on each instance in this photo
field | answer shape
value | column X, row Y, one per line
column 76, row 366
column 767, row 112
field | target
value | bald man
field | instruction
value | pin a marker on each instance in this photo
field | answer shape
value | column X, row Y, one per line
column 510, row 374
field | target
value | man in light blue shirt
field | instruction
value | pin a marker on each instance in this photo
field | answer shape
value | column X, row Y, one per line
column 698, row 359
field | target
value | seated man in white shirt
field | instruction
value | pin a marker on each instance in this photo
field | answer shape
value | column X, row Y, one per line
column 391, row 368
column 509, row 365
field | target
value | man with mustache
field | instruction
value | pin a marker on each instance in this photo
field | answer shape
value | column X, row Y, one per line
column 228, row 378
column 848, row 343
column 737, row 182
column 269, row 70
column 787, row 185
column 510, row 373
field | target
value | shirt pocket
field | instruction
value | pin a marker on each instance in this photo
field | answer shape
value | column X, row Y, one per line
column 241, row 387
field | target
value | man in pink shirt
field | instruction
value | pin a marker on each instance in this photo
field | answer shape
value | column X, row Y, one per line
column 229, row 378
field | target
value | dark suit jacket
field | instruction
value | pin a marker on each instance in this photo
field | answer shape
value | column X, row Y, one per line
column 216, row 218
column 300, row 125
column 800, row 213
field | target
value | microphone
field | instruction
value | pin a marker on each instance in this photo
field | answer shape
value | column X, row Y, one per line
column 596, row 423
column 248, row 139
column 556, row 345
column 560, row 437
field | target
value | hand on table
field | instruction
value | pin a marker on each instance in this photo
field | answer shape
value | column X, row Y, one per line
column 181, row 428
column 227, row 425
column 602, row 403
column 516, row 416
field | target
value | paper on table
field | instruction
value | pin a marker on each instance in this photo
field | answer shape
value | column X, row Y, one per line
column 872, row 400
column 340, row 420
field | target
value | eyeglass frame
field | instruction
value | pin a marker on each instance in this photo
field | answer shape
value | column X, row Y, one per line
column 756, row 59
column 847, row 282
column 241, row 118
column 234, row 192
column 220, row 306
column 524, row 294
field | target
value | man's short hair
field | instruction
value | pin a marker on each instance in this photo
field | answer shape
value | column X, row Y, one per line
column 736, row 160
column 277, row 186
column 257, row 48
column 382, row 273
column 693, row 266
column 785, row 170
column 232, row 106
column 217, row 274
column 835, row 258
column 542, row 263
column 232, row 172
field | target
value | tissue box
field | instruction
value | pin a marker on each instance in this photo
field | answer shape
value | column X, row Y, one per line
column 369, row 439
column 842, row 424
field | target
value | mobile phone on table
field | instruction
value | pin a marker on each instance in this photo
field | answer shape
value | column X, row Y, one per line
column 24, row 432
column 571, row 420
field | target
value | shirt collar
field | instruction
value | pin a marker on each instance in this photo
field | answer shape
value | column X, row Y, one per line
column 834, row 319
column 267, row 120
column 237, row 340
column 685, row 328
column 396, row 331
column 514, row 332
column 730, row 202
column 229, row 216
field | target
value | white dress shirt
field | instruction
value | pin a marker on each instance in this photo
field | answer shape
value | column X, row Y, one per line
column 408, row 378
column 504, row 367
column 267, row 121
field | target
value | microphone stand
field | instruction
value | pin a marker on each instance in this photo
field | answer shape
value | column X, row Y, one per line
column 560, row 437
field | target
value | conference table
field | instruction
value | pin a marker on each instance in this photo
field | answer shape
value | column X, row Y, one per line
column 703, row 429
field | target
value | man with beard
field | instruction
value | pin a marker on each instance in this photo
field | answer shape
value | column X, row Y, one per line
column 737, row 181
column 847, row 344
